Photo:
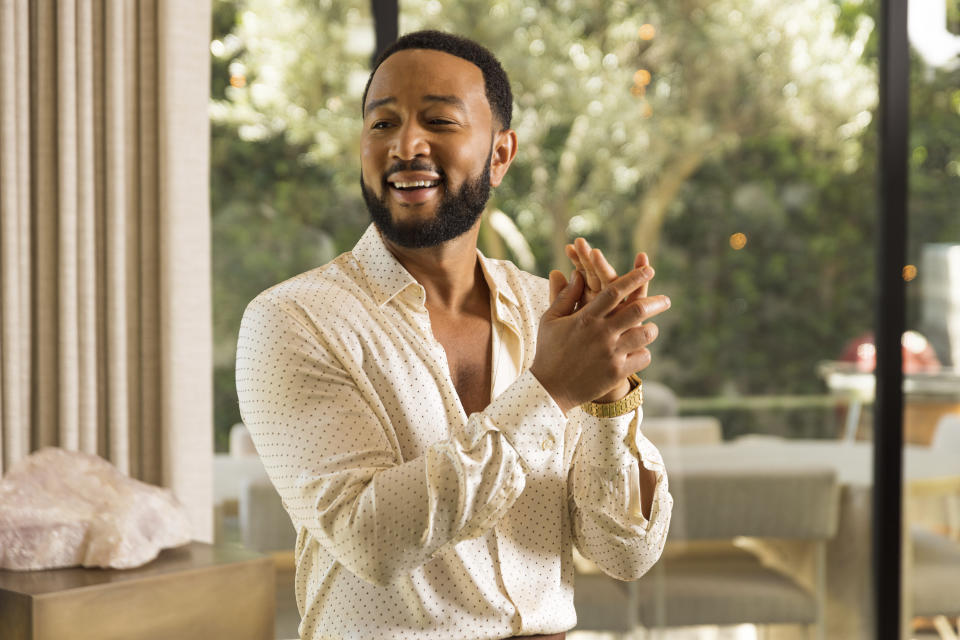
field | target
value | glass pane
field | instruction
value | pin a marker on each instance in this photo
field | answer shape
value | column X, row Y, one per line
column 735, row 143
column 932, row 346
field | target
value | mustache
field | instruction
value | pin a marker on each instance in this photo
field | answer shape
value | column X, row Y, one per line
column 414, row 165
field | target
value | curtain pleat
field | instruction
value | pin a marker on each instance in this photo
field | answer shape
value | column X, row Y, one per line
column 148, row 267
column 87, row 344
column 105, row 336
column 100, row 46
column 22, row 83
column 118, row 179
column 127, row 408
column 11, row 329
column 68, row 360
column 46, row 198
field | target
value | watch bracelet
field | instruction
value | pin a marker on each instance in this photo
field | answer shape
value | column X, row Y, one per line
column 620, row 407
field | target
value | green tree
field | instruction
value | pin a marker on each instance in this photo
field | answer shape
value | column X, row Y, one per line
column 284, row 167
column 618, row 105
column 667, row 126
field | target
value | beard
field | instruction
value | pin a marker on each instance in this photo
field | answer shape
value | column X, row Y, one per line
column 456, row 214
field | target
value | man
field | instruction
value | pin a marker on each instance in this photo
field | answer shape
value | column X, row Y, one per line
column 440, row 432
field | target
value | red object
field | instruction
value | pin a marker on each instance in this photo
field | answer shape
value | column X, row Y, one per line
column 918, row 355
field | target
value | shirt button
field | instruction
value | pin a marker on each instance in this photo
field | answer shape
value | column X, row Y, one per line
column 547, row 444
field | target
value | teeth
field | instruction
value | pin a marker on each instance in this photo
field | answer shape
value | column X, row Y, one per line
column 416, row 183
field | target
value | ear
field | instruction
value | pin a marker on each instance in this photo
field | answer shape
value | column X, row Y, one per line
column 504, row 151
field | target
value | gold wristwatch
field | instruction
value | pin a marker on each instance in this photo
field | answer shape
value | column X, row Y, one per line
column 620, row 407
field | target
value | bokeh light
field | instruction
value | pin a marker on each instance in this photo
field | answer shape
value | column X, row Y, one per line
column 738, row 241
column 641, row 78
column 909, row 272
column 647, row 32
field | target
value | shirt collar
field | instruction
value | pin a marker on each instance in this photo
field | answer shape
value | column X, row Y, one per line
column 384, row 273
column 504, row 307
column 496, row 279
column 388, row 278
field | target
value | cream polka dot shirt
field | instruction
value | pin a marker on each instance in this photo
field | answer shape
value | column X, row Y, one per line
column 415, row 520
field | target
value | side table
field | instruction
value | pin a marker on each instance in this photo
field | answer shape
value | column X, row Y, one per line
column 196, row 591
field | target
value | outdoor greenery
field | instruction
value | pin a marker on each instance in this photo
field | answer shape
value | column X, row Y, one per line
column 734, row 140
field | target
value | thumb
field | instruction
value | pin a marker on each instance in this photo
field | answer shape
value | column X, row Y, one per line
column 567, row 299
column 557, row 282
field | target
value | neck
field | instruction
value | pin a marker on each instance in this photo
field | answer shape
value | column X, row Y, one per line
column 450, row 273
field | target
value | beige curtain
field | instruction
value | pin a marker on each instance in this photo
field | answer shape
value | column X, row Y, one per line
column 105, row 331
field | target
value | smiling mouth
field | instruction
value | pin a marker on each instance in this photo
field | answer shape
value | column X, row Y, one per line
column 414, row 193
column 414, row 184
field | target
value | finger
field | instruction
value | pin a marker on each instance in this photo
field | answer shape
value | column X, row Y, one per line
column 637, row 361
column 557, row 282
column 616, row 291
column 577, row 263
column 567, row 298
column 603, row 268
column 574, row 258
column 633, row 314
column 583, row 252
column 637, row 338
column 642, row 260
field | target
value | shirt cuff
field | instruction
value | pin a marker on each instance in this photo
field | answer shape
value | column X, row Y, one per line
column 617, row 442
column 530, row 419
column 616, row 449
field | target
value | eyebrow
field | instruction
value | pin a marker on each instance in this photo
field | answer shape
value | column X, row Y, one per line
column 451, row 100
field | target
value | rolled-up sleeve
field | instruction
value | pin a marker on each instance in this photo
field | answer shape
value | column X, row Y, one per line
column 609, row 527
column 336, row 465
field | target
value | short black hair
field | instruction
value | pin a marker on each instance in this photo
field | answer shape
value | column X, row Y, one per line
column 495, row 78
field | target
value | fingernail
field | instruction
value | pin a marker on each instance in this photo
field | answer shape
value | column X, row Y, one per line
column 647, row 271
column 668, row 302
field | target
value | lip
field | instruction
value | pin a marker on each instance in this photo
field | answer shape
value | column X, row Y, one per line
column 412, row 176
column 414, row 196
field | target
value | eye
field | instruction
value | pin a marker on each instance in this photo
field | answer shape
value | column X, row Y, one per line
column 380, row 124
column 441, row 122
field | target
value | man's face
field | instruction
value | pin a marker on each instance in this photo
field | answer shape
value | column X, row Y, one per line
column 427, row 147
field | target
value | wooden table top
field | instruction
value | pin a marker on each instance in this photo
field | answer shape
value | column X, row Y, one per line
column 195, row 556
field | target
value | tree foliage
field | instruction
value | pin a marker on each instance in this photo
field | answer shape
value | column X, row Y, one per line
column 667, row 126
column 619, row 104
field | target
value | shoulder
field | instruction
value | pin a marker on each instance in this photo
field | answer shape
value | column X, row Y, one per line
column 316, row 297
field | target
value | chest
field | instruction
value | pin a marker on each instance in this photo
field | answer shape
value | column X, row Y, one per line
column 468, row 344
column 424, row 371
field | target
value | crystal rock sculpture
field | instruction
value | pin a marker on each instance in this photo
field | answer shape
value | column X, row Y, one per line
column 64, row 508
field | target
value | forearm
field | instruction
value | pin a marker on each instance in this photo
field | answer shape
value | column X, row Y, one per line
column 383, row 523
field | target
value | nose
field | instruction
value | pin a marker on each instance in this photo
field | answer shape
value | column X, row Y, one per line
column 410, row 142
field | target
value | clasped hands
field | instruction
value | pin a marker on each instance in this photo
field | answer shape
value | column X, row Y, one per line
column 595, row 332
